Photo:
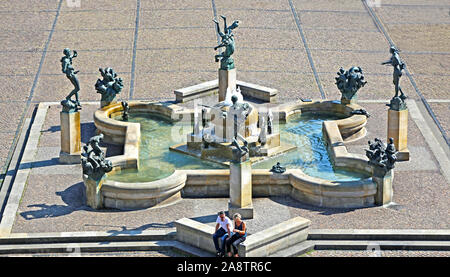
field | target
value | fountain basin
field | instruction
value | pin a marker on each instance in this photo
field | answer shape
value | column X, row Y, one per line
column 215, row 182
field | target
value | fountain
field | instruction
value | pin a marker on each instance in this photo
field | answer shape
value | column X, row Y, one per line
column 228, row 146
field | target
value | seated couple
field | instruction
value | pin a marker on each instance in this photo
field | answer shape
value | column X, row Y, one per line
column 230, row 236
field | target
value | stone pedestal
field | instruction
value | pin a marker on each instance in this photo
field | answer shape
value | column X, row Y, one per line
column 70, row 138
column 241, row 189
column 384, row 181
column 227, row 79
column 94, row 198
column 398, row 130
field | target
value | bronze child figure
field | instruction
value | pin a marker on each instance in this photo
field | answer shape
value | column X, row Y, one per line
column 67, row 68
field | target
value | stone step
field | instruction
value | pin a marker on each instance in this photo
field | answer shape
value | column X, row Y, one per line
column 85, row 247
column 79, row 237
column 295, row 251
column 381, row 245
column 381, row 234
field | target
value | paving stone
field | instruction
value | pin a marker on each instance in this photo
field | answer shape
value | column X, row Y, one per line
column 433, row 87
column 414, row 14
column 253, row 4
column 442, row 110
column 87, row 19
column 294, row 60
column 337, row 20
column 99, row 5
column 28, row 5
column 176, row 38
column 26, row 63
column 335, row 5
column 16, row 88
column 176, row 19
column 92, row 40
column 170, row 60
column 23, row 40
column 175, row 4
column 419, row 37
column 10, row 115
column 337, row 39
column 29, row 21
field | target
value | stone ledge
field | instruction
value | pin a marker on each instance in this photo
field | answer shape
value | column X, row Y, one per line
column 260, row 244
column 258, row 92
column 196, row 91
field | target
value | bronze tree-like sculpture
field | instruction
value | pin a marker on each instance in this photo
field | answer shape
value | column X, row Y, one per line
column 109, row 86
column 349, row 82
column 93, row 161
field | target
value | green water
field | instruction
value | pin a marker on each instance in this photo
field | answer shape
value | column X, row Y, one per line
column 157, row 161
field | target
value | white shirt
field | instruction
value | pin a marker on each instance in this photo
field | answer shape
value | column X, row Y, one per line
column 224, row 223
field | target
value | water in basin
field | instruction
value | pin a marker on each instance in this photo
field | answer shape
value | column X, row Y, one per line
column 157, row 161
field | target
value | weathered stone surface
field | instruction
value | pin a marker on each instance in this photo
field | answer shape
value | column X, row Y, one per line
column 398, row 130
column 227, row 79
column 70, row 132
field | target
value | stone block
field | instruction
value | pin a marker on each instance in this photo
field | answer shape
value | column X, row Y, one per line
column 384, row 182
column 196, row 91
column 70, row 137
column 227, row 79
column 241, row 184
column 398, row 130
column 94, row 198
column 245, row 212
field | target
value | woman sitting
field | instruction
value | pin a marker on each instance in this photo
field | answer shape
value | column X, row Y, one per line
column 239, row 235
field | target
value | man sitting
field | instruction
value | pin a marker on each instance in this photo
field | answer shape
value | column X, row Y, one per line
column 223, row 228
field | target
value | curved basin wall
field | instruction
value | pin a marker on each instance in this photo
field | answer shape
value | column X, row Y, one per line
column 215, row 183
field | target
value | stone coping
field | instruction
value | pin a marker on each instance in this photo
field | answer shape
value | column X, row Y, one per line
column 260, row 244
column 254, row 91
column 214, row 183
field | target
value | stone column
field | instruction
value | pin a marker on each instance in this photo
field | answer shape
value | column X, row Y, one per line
column 384, row 181
column 398, row 130
column 227, row 79
column 94, row 198
column 241, row 189
column 70, row 138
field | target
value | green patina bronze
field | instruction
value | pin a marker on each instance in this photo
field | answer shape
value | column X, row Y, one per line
column 68, row 104
column 109, row 86
column 227, row 41
column 397, row 103
column 349, row 82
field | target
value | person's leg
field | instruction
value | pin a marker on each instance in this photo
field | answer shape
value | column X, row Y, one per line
column 235, row 245
column 218, row 234
column 223, row 239
column 229, row 242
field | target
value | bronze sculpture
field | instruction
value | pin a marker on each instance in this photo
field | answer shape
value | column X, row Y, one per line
column 398, row 101
column 109, row 86
column 93, row 159
column 227, row 41
column 71, row 74
column 349, row 82
column 381, row 156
